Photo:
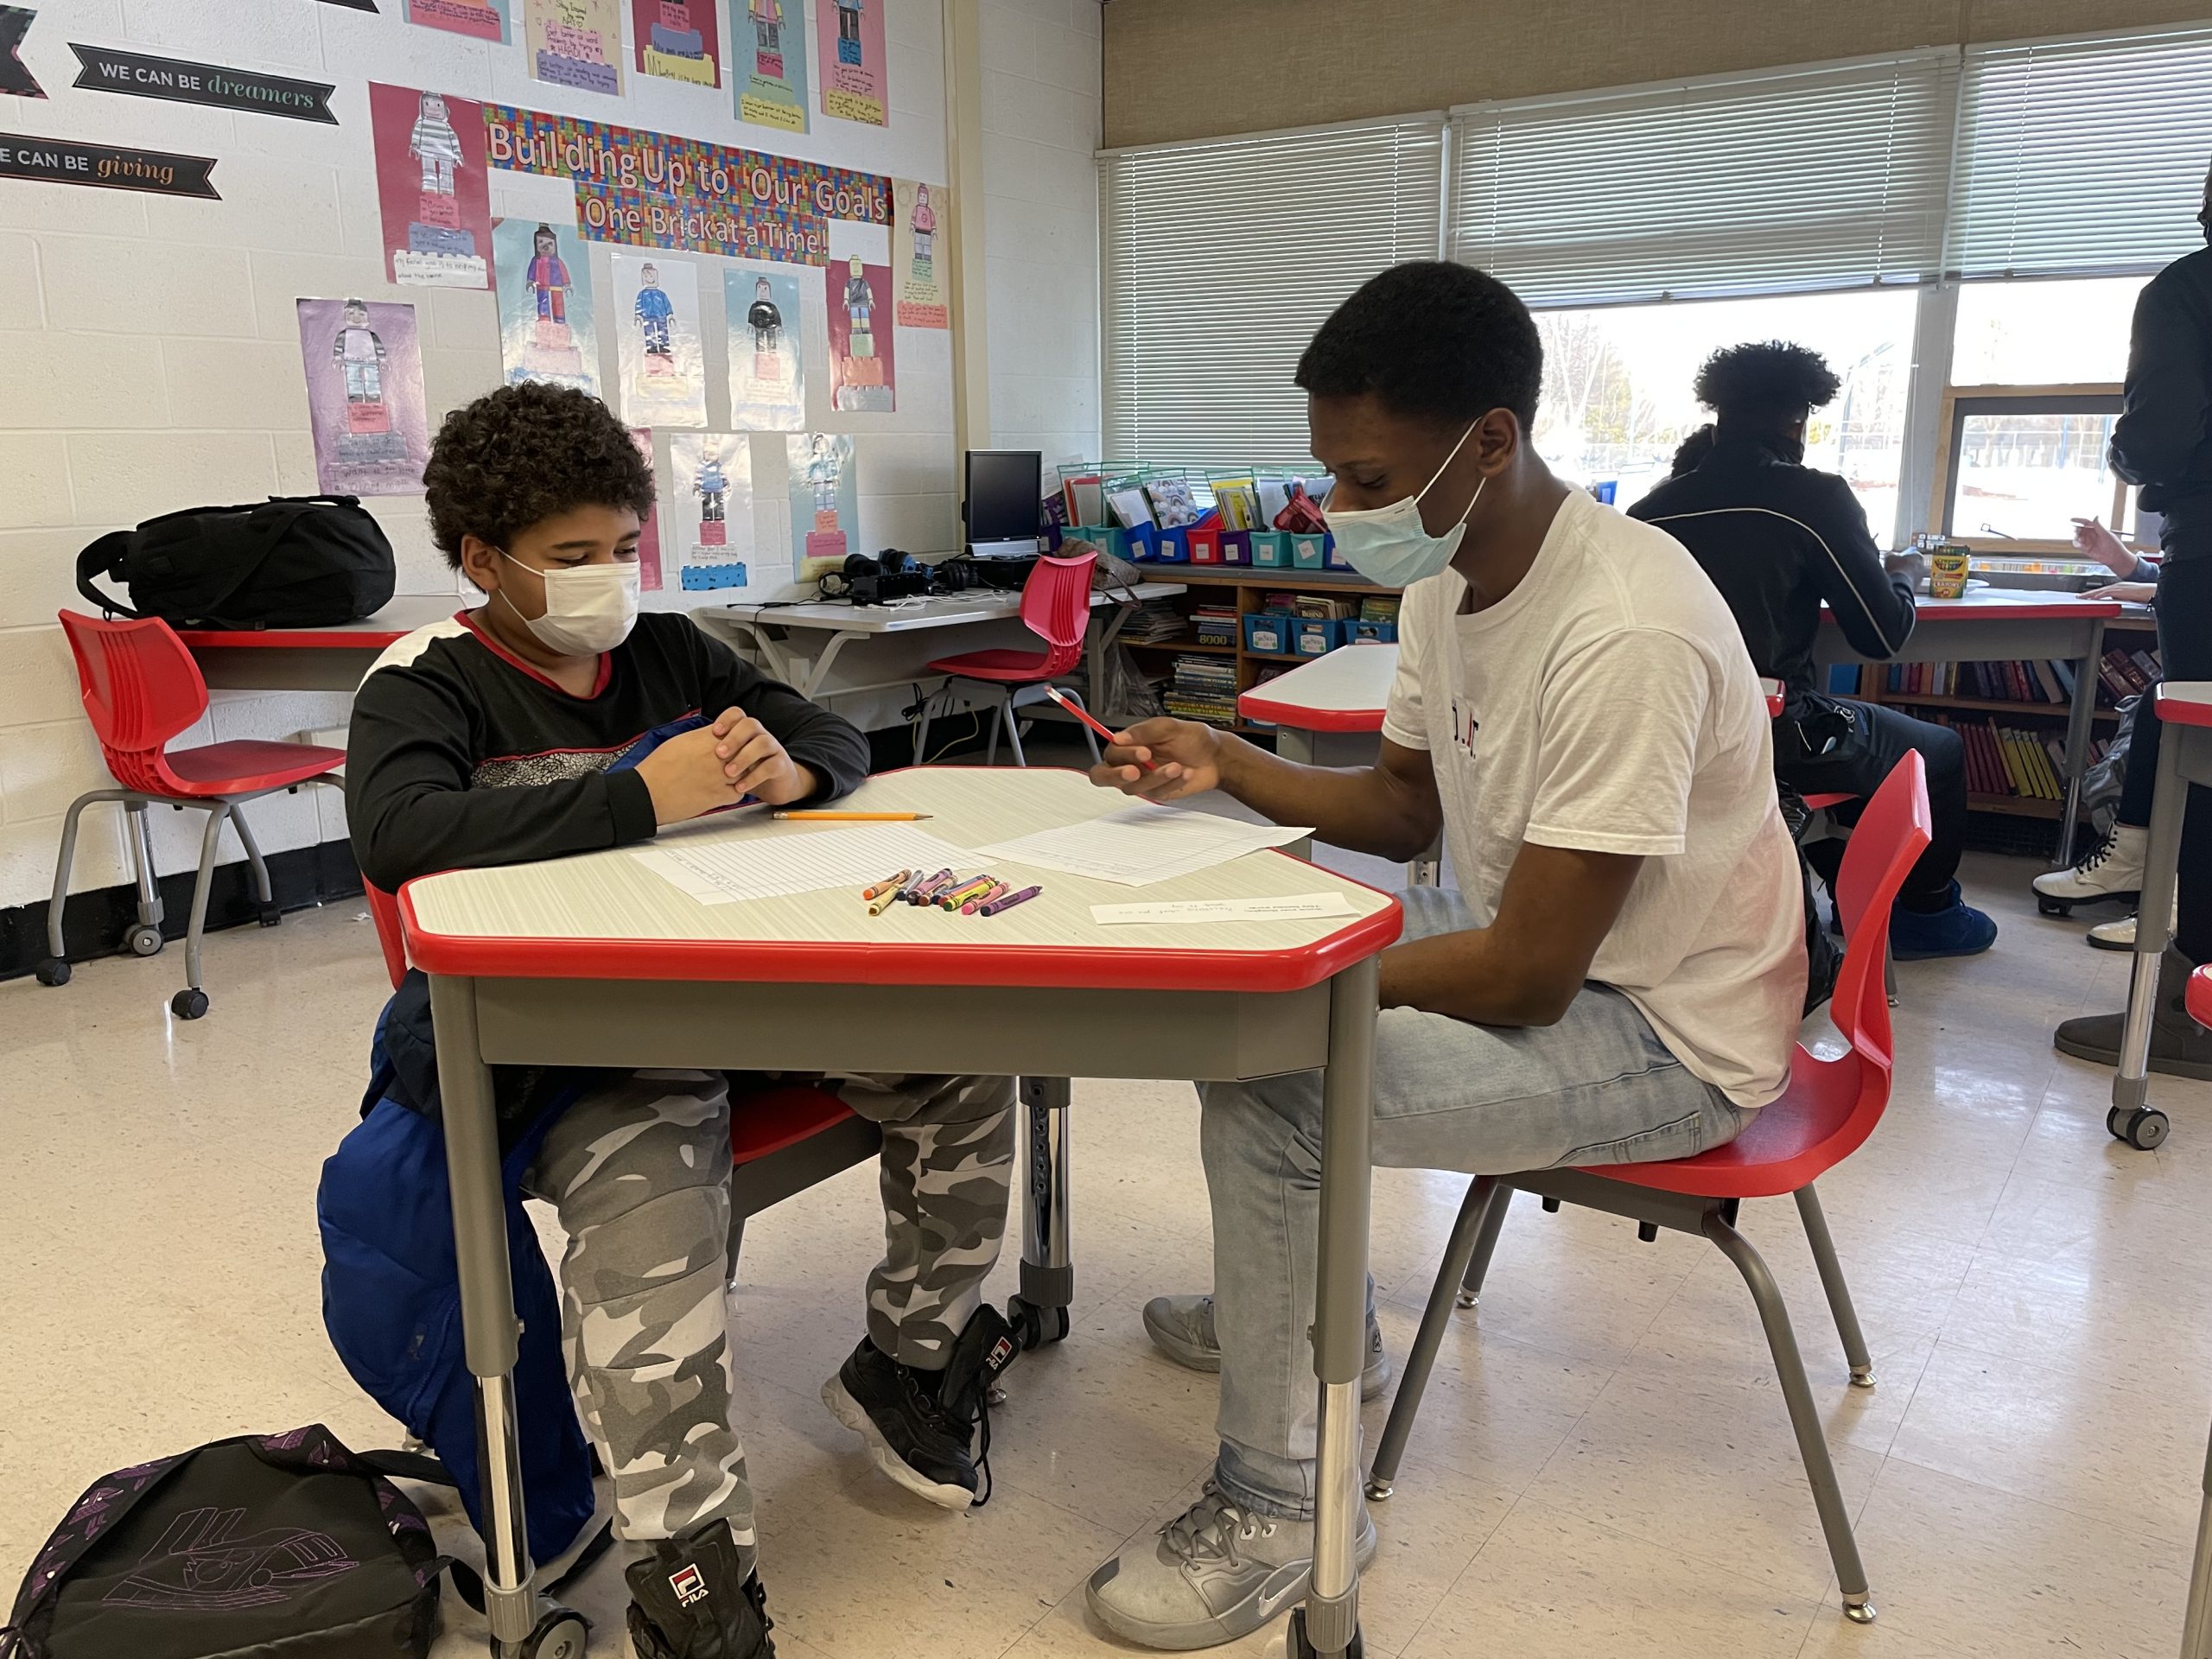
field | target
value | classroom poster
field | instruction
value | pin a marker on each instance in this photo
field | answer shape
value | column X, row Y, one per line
column 768, row 62
column 431, row 185
column 574, row 43
column 658, row 341
column 649, row 528
column 863, row 374
column 768, row 365
column 677, row 40
column 825, row 497
column 364, row 364
column 710, row 515
column 544, row 280
column 482, row 20
column 922, row 213
column 856, row 77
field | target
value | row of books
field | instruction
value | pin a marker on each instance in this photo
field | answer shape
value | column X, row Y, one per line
column 1152, row 622
column 2121, row 674
column 2129, row 673
column 1203, row 688
column 2006, row 760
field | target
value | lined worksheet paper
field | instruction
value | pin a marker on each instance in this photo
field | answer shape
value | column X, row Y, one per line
column 727, row 868
column 1143, row 844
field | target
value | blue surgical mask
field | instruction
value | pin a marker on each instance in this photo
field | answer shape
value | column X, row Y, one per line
column 1389, row 545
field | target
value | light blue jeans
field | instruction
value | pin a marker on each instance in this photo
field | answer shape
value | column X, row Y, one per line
column 1597, row 1087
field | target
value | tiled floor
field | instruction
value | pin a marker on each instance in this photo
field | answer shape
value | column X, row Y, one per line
column 1603, row 1465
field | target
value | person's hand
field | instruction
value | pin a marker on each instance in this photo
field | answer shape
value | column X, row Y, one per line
column 1185, row 756
column 2106, row 548
column 755, row 762
column 2128, row 593
column 1913, row 567
column 685, row 778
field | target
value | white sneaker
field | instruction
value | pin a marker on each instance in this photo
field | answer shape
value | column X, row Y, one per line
column 2112, row 870
column 2120, row 935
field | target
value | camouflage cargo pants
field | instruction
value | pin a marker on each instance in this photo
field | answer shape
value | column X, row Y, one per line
column 639, row 1173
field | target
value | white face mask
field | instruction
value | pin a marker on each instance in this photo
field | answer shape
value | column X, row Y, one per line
column 1389, row 545
column 588, row 607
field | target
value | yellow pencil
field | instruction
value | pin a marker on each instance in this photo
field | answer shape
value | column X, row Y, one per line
column 851, row 817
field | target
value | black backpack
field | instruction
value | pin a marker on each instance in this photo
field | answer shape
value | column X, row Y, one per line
column 291, row 562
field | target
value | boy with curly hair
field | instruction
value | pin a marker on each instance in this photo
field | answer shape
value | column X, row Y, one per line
column 556, row 719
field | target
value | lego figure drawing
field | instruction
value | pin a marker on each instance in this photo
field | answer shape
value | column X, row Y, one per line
column 359, row 355
column 654, row 313
column 548, row 276
column 712, row 488
column 436, row 145
column 848, row 30
column 673, row 32
column 822, row 471
column 924, row 229
column 859, row 307
column 763, row 318
column 363, row 371
column 768, row 30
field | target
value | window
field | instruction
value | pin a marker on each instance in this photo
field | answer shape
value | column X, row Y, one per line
column 1221, row 260
column 1616, row 396
column 2019, row 463
column 2043, row 333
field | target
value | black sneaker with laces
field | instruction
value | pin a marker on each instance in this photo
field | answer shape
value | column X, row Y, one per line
column 923, row 1426
column 687, row 1600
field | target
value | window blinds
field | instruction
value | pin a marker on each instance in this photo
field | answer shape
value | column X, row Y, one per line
column 1789, row 181
column 2081, row 157
column 1221, row 258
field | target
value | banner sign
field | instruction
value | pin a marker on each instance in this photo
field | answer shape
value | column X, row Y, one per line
column 353, row 5
column 651, row 190
column 15, row 77
column 107, row 166
column 105, row 69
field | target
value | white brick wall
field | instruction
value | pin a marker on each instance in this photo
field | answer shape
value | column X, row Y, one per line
column 149, row 353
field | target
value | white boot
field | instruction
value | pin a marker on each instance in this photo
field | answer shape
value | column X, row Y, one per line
column 2113, row 870
column 2120, row 935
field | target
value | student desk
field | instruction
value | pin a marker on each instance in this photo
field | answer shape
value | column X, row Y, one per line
column 2184, row 757
column 834, row 625
column 1328, row 707
column 2000, row 624
column 596, row 961
column 334, row 658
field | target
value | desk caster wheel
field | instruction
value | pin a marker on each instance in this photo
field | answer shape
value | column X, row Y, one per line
column 189, row 1005
column 559, row 1635
column 1297, row 1647
column 2053, row 906
column 1036, row 1327
column 54, row 971
column 270, row 916
column 144, row 940
column 2144, row 1128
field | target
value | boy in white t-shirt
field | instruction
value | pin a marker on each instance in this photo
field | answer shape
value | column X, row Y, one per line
column 1620, row 976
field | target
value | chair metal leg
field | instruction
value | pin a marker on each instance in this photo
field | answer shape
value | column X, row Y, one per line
column 1485, row 1198
column 1088, row 736
column 2196, row 1620
column 141, row 862
column 63, row 862
column 1839, row 1293
column 1471, row 1286
column 1804, row 1417
column 922, row 731
column 210, row 840
column 737, row 1242
column 262, row 891
column 1013, row 728
column 991, row 754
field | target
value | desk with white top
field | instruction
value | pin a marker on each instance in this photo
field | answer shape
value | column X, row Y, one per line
column 596, row 961
column 333, row 658
column 1326, row 712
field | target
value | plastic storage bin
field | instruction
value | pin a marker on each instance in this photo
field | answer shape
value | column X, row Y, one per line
column 1309, row 552
column 1205, row 542
column 1267, row 633
column 1360, row 632
column 1271, row 549
column 1313, row 637
column 1237, row 547
column 1171, row 545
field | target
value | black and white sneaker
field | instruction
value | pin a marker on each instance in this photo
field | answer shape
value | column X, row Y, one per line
column 690, row 1599
column 923, row 1426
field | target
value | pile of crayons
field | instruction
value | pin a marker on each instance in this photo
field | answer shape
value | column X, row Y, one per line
column 980, row 895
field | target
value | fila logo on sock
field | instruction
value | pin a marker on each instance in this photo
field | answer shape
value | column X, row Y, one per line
column 690, row 1584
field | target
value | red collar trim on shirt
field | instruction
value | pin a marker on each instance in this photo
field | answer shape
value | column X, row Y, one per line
column 467, row 619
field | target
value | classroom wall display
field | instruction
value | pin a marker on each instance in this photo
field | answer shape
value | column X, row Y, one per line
column 107, row 166
column 16, row 77
column 574, row 43
column 677, row 40
column 652, row 190
column 863, row 374
column 485, row 19
column 353, row 5
column 649, row 527
column 768, row 62
column 108, row 69
column 921, row 219
column 856, row 75
column 364, row 366
column 657, row 337
column 545, row 310
column 825, row 499
column 710, row 515
column 432, row 187
column 768, row 359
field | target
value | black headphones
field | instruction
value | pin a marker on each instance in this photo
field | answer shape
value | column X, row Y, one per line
column 895, row 574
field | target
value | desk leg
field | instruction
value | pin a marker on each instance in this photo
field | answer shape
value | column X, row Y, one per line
column 2153, row 923
column 2197, row 1623
column 489, row 1328
column 2078, row 730
column 1330, row 1621
column 1039, row 1312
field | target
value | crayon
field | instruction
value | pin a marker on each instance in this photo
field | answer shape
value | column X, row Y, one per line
column 883, row 901
column 953, row 897
column 998, row 892
column 1010, row 901
column 887, row 883
column 919, row 893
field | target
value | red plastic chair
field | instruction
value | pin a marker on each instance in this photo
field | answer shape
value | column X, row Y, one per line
column 782, row 1139
column 141, row 688
column 1056, row 608
column 2200, row 996
column 1829, row 1107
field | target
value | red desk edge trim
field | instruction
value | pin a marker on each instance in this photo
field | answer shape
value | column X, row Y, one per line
column 1301, row 718
column 2064, row 610
column 2183, row 711
column 341, row 638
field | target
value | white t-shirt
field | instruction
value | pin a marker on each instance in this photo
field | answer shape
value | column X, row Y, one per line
column 1607, row 704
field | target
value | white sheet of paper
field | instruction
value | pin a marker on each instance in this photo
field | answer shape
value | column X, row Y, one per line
column 1143, row 844
column 725, row 868
column 1185, row 911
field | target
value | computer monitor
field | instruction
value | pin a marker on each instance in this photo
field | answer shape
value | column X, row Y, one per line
column 1005, row 487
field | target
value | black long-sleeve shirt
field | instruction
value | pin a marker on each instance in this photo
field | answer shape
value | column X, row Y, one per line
column 2162, row 440
column 1778, row 539
column 462, row 756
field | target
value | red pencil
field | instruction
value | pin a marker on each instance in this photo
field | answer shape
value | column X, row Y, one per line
column 1053, row 692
